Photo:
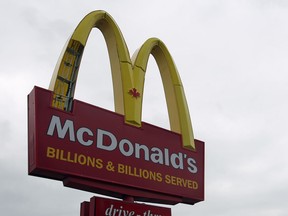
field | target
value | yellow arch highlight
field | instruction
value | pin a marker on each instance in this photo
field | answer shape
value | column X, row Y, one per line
column 126, row 74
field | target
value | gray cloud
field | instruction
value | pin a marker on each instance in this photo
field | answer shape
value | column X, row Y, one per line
column 232, row 58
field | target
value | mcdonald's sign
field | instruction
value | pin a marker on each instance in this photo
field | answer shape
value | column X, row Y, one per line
column 115, row 153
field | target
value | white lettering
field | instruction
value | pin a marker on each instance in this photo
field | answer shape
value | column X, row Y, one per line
column 177, row 160
column 113, row 211
column 192, row 163
column 166, row 152
column 157, row 155
column 68, row 126
column 138, row 147
column 130, row 150
column 100, row 140
column 80, row 133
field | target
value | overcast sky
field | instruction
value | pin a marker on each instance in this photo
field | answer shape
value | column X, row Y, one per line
column 232, row 57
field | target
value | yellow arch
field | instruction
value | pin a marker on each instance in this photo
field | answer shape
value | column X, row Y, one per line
column 179, row 116
column 64, row 78
column 125, row 74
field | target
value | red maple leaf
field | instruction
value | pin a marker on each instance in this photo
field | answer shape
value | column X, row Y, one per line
column 134, row 93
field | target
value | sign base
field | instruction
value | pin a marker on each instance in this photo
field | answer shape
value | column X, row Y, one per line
column 108, row 207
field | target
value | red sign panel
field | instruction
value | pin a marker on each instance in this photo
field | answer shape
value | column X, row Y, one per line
column 93, row 149
column 108, row 207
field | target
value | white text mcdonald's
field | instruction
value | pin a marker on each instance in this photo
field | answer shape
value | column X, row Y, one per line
column 127, row 148
column 115, row 153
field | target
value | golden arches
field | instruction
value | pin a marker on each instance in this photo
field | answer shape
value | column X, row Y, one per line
column 126, row 74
